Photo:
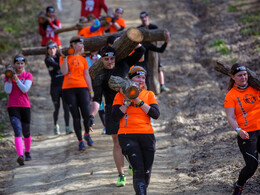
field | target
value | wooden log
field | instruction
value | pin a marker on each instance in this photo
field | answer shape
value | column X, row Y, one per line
column 153, row 35
column 253, row 79
column 131, row 89
column 42, row 51
column 153, row 59
column 97, row 42
column 9, row 70
column 125, row 45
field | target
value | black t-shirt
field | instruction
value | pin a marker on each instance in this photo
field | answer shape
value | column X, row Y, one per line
column 54, row 70
column 150, row 26
column 100, row 83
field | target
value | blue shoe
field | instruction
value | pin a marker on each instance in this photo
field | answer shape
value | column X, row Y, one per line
column 88, row 140
column 82, row 146
column 103, row 131
column 68, row 131
column 28, row 156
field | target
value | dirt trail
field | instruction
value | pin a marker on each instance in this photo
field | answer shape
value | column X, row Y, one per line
column 57, row 167
column 196, row 149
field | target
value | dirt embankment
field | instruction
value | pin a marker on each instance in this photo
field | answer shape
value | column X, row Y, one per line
column 196, row 149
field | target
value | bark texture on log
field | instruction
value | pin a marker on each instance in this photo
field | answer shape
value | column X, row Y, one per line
column 253, row 79
column 131, row 89
column 124, row 46
column 153, row 60
column 153, row 35
column 42, row 51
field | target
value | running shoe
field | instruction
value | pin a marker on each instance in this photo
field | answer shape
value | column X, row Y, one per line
column 28, row 156
column 88, row 140
column 121, row 180
column 82, row 146
column 164, row 88
column 20, row 160
column 103, row 131
column 57, row 130
column 68, row 131
column 130, row 170
column 237, row 189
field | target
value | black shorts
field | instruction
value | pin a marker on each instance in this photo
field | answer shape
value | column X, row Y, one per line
column 111, row 125
column 22, row 113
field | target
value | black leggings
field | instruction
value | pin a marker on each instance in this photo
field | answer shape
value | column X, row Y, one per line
column 20, row 118
column 139, row 150
column 56, row 95
column 250, row 149
column 79, row 102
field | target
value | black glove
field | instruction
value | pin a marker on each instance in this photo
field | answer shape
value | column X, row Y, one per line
column 113, row 20
column 91, row 120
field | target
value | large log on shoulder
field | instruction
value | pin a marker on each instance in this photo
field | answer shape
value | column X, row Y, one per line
column 253, row 79
column 131, row 89
column 97, row 42
column 124, row 46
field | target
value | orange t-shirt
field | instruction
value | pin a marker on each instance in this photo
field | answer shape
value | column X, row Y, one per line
column 120, row 22
column 85, row 32
column 138, row 121
column 75, row 76
column 247, row 107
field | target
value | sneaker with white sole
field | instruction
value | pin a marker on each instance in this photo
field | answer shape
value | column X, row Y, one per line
column 121, row 180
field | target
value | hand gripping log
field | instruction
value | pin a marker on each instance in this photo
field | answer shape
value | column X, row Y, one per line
column 131, row 89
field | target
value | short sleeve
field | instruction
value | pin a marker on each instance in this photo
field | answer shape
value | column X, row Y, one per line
column 229, row 102
column 152, row 99
column 119, row 99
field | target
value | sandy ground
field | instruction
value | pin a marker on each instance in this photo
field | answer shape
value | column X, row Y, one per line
column 196, row 149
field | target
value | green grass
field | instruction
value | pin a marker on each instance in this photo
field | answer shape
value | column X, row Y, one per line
column 251, row 23
column 221, row 47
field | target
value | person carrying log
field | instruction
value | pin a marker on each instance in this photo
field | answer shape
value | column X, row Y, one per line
column 242, row 107
column 101, row 87
column 117, row 23
column 77, row 89
column 94, row 29
column 19, row 107
column 48, row 25
column 52, row 62
column 144, row 17
column 135, row 134
column 93, row 7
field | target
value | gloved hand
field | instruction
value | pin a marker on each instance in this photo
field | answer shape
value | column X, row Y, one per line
column 113, row 20
column 91, row 120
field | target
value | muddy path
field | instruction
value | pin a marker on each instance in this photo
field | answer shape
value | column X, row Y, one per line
column 196, row 149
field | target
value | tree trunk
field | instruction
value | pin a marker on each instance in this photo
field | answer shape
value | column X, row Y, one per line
column 124, row 46
column 97, row 42
column 153, row 59
column 131, row 89
column 253, row 79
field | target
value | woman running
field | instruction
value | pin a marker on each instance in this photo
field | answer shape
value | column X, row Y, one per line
column 135, row 134
column 242, row 106
column 19, row 108
column 52, row 61
column 77, row 88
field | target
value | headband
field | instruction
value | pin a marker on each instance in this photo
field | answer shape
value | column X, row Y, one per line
column 19, row 59
column 50, row 9
column 119, row 9
column 143, row 15
column 77, row 40
column 139, row 72
column 108, row 54
column 238, row 69
column 51, row 45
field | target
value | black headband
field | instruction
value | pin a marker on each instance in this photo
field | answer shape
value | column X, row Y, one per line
column 238, row 69
column 20, row 58
column 52, row 45
column 77, row 40
column 139, row 72
column 108, row 54
column 50, row 9
column 143, row 14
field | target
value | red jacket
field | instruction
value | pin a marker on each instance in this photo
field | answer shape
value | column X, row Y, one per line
column 46, row 30
column 93, row 7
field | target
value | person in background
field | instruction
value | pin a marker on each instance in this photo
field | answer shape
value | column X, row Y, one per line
column 135, row 134
column 52, row 61
column 19, row 107
column 91, row 59
column 94, row 29
column 77, row 89
column 117, row 23
column 144, row 17
column 100, row 86
column 46, row 29
column 93, row 7
column 242, row 106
